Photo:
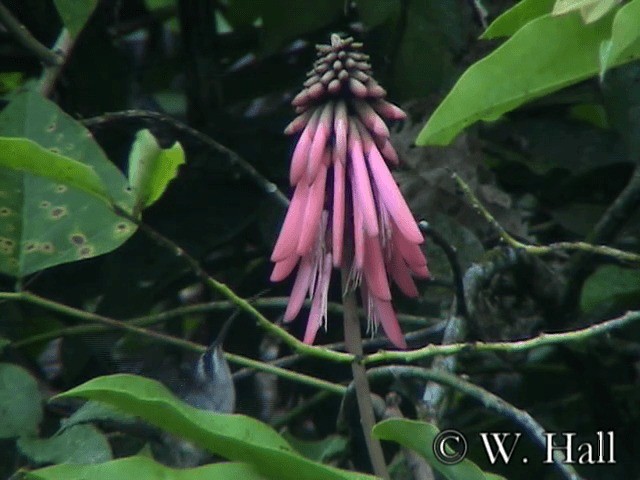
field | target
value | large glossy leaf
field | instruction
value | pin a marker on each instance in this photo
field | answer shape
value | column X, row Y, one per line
column 609, row 287
column 151, row 168
column 235, row 437
column 53, row 195
column 625, row 32
column 81, row 444
column 420, row 436
column 75, row 14
column 138, row 468
column 545, row 55
column 517, row 17
column 20, row 402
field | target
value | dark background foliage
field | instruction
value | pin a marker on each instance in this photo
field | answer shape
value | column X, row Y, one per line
column 549, row 171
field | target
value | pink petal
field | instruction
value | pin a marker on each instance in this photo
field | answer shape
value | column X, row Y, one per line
column 298, row 123
column 371, row 119
column 283, row 268
column 387, row 151
column 389, row 110
column 358, row 233
column 374, row 271
column 375, row 90
column 389, row 193
column 389, row 321
column 318, row 311
column 411, row 253
column 315, row 91
column 323, row 131
column 300, row 99
column 300, row 289
column 341, row 127
column 360, row 181
column 400, row 274
column 301, row 152
column 357, row 88
column 338, row 211
column 288, row 239
column 310, row 226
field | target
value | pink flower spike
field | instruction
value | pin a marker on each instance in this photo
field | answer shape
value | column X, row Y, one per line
column 371, row 119
column 298, row 123
column 317, row 150
column 312, row 214
column 337, row 229
column 360, row 181
column 318, row 313
column 301, row 152
column 374, row 271
column 389, row 110
column 340, row 128
column 282, row 269
column 300, row 289
column 387, row 318
column 288, row 238
column 388, row 191
column 401, row 276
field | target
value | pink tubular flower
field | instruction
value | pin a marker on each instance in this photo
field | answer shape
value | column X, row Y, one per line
column 346, row 208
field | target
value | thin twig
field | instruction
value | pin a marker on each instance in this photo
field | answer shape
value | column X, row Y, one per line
column 542, row 340
column 452, row 256
column 27, row 40
column 236, row 160
column 167, row 339
column 553, row 248
column 353, row 342
column 488, row 400
column 50, row 74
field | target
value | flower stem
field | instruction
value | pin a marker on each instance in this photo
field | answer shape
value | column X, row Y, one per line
column 353, row 342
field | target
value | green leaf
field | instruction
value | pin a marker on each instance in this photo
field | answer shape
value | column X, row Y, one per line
column 625, row 33
column 611, row 287
column 318, row 450
column 96, row 411
column 563, row 7
column 139, row 467
column 236, row 437
column 75, row 14
column 151, row 168
column 590, row 10
column 25, row 156
column 545, row 55
column 4, row 343
column 82, row 444
column 20, row 402
column 55, row 196
column 420, row 436
column 516, row 17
